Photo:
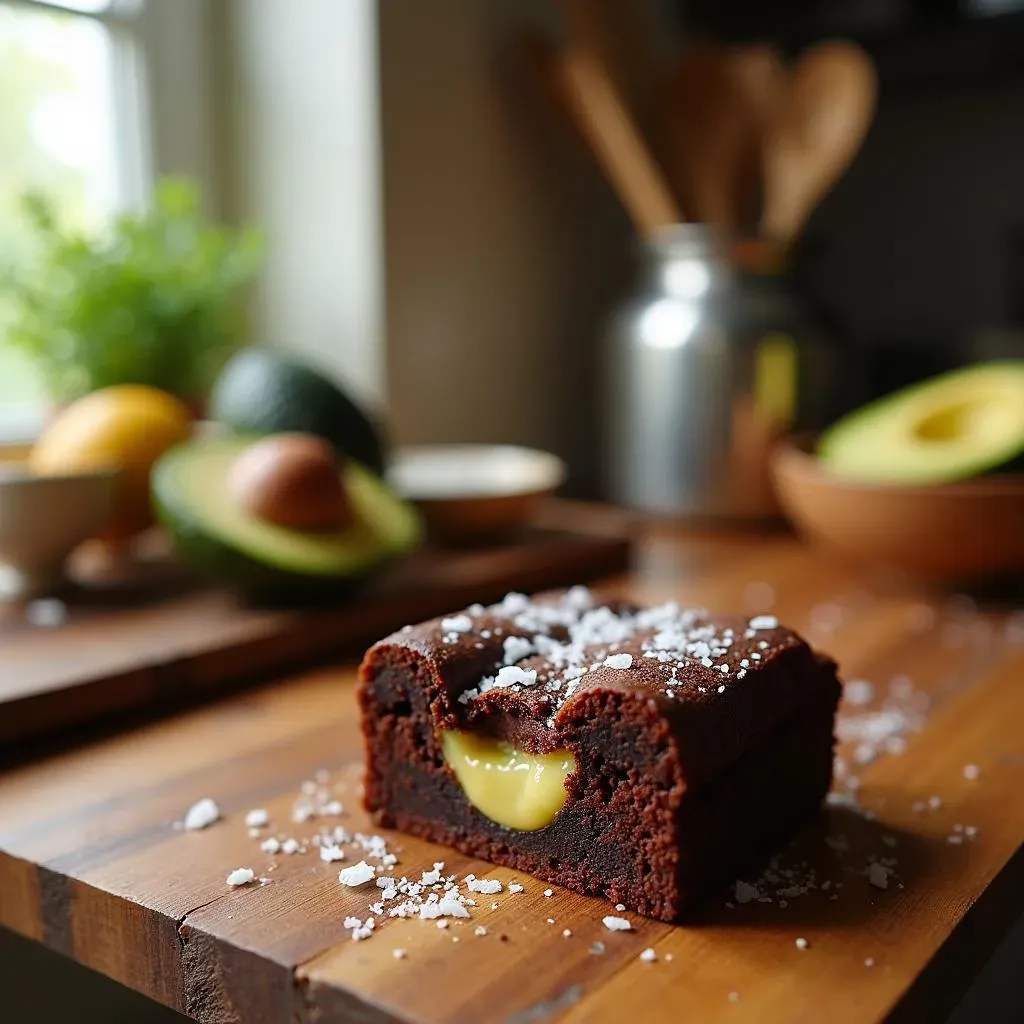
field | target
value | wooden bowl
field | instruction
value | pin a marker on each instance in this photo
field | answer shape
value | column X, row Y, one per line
column 971, row 530
column 474, row 493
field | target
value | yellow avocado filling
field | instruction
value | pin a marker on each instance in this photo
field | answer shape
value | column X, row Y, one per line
column 515, row 789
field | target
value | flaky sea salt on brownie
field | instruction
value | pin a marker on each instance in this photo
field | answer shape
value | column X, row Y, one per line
column 645, row 754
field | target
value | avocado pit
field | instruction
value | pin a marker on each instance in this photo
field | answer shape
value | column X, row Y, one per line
column 291, row 480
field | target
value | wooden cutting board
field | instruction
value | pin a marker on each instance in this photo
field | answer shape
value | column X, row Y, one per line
column 159, row 642
column 91, row 864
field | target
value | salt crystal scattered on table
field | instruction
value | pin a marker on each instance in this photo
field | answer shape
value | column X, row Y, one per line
column 620, row 907
column 971, row 771
column 869, row 961
column 597, row 948
column 745, row 892
column 970, row 831
column 566, row 933
column 955, row 839
column 734, row 997
column 290, row 846
column 331, row 853
column 858, row 692
column 443, row 923
column 514, row 887
column 764, row 622
column 935, row 802
column 46, row 613
column 649, row 955
column 457, row 624
column 201, row 814
column 270, row 845
column 257, row 818
column 549, row 892
column 802, row 943
column 617, row 924
column 398, row 954
column 487, row 886
column 357, row 874
column 240, row 876
column 480, row 930
column 878, row 875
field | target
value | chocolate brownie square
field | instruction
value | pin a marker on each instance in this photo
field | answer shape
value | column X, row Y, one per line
column 641, row 754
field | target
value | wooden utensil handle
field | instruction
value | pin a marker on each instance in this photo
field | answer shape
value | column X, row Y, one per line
column 587, row 95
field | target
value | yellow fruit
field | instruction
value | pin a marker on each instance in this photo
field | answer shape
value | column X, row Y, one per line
column 127, row 427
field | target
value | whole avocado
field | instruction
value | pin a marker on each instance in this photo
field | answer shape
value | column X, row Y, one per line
column 261, row 391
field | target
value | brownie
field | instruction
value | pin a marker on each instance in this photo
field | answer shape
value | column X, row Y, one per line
column 700, row 742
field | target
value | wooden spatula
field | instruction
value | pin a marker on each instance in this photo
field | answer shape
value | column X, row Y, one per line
column 580, row 85
column 826, row 110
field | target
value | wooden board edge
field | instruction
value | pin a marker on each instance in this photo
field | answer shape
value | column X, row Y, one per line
column 963, row 956
column 304, row 641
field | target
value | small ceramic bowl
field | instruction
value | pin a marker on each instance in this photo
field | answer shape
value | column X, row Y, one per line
column 42, row 520
column 967, row 531
column 471, row 493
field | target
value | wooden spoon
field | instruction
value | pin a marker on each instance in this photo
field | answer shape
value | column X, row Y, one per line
column 760, row 76
column 826, row 111
column 716, row 110
column 580, row 85
column 703, row 127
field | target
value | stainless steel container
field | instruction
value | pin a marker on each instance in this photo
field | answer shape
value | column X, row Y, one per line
column 706, row 367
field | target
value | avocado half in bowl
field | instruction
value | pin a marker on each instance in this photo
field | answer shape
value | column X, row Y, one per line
column 262, row 560
column 927, row 481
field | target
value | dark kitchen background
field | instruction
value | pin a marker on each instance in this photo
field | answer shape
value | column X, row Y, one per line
column 917, row 256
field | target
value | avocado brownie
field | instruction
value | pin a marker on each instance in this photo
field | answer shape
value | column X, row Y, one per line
column 642, row 754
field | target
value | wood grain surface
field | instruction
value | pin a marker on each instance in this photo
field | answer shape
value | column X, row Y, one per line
column 158, row 641
column 92, row 865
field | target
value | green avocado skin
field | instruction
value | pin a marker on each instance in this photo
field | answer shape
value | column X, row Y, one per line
column 255, row 582
column 261, row 392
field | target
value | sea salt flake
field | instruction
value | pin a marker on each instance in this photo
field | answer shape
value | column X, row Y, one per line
column 935, row 802
column 201, row 814
column 331, row 853
column 620, row 907
column 399, row 954
column 869, row 961
column 357, row 874
column 487, row 886
column 649, row 955
column 734, row 997
column 802, row 943
column 745, row 892
column 457, row 624
column 971, row 771
column 240, row 876
column 619, row 661
column 270, row 845
column 878, row 875
column 764, row 622
column 721, row 689
column 617, row 924
column 447, row 906
column 566, row 933
column 480, row 930
column 290, row 846
column 514, row 887
column 257, row 818
column 954, row 839
column 516, row 648
column 549, row 892
column 858, row 692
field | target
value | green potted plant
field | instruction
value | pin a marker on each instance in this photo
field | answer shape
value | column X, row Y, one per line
column 157, row 300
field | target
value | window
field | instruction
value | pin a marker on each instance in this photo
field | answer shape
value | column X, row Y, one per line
column 80, row 90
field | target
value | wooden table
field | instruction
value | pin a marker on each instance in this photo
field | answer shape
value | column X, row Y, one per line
column 92, row 866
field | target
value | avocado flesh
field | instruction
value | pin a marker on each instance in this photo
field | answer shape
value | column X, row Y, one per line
column 213, row 532
column 953, row 427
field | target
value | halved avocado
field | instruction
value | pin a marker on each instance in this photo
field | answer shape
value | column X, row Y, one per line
column 267, row 562
column 958, row 425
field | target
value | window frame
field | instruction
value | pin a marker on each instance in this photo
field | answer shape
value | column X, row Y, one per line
column 166, row 124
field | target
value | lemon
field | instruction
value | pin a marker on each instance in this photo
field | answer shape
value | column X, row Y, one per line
column 126, row 427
